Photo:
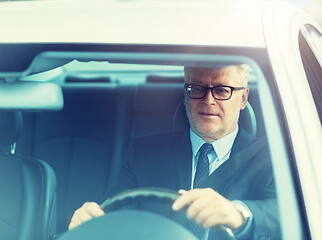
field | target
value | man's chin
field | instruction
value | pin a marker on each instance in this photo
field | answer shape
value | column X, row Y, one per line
column 209, row 133
column 211, row 128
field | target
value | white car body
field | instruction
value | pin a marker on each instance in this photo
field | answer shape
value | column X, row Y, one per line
column 266, row 26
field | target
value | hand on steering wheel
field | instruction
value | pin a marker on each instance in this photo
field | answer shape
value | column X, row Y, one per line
column 166, row 196
column 124, row 223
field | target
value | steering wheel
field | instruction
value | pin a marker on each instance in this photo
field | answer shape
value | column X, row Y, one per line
column 152, row 218
column 141, row 198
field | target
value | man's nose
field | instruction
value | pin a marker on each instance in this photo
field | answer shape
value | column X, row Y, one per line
column 209, row 98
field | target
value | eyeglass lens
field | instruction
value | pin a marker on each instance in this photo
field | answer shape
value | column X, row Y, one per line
column 218, row 92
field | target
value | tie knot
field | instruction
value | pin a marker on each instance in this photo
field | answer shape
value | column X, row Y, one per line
column 205, row 149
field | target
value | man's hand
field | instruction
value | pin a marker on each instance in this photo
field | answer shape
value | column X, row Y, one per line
column 86, row 212
column 208, row 208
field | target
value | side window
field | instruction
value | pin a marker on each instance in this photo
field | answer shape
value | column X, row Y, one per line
column 310, row 44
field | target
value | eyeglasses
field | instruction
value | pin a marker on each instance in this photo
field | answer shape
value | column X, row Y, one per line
column 195, row 91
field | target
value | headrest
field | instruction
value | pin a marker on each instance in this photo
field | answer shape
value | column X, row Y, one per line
column 10, row 127
column 247, row 119
column 164, row 79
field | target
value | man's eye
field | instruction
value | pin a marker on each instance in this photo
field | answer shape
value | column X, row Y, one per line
column 197, row 89
column 221, row 90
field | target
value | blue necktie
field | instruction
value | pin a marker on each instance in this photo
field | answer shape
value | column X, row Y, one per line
column 202, row 172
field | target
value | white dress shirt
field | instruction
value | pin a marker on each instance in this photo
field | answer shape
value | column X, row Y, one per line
column 222, row 152
column 222, row 148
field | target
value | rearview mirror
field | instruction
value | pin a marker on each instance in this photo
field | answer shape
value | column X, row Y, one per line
column 31, row 96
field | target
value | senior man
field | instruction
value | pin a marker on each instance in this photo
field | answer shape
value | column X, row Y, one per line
column 224, row 175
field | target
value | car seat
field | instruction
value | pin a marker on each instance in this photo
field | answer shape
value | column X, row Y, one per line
column 27, row 188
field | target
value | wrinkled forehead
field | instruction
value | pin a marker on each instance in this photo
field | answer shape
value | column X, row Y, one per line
column 200, row 74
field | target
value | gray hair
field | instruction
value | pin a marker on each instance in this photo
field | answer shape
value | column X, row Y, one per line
column 242, row 69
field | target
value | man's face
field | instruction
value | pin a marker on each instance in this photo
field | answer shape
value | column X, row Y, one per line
column 209, row 118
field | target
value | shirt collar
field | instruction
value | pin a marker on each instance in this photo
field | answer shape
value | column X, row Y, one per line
column 222, row 146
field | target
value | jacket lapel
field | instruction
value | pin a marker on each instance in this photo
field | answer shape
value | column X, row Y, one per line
column 183, row 158
column 239, row 156
column 243, row 150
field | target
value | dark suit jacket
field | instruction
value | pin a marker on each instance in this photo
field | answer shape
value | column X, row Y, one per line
column 165, row 161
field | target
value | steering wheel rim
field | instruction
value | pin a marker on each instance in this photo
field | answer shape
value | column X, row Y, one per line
column 161, row 193
column 135, row 195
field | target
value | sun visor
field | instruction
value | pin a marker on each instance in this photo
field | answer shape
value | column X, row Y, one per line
column 31, row 96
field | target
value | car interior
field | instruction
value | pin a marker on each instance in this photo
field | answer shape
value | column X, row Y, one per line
column 84, row 142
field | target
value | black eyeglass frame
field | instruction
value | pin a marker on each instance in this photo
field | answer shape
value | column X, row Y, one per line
column 187, row 85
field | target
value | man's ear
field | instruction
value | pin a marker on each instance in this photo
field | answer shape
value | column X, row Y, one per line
column 244, row 98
